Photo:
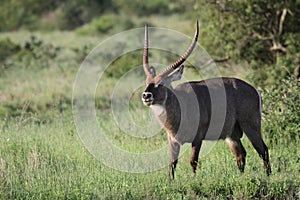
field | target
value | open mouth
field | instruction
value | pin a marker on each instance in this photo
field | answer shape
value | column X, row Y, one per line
column 148, row 102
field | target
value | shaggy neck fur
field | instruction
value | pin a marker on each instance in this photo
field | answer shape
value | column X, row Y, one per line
column 168, row 113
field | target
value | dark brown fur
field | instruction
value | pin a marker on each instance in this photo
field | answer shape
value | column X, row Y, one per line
column 242, row 115
column 213, row 109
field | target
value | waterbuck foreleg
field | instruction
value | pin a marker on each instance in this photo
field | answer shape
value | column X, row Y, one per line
column 195, row 155
column 174, row 153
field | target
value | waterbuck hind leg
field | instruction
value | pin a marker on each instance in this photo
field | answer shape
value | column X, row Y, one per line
column 172, row 167
column 263, row 152
column 267, row 160
column 255, row 137
column 238, row 151
column 174, row 153
column 195, row 155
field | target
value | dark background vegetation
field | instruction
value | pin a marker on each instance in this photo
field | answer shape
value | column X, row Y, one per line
column 36, row 73
column 264, row 34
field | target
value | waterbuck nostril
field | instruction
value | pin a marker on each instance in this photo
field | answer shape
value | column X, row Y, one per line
column 147, row 95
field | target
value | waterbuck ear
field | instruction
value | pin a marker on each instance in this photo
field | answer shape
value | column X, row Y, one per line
column 176, row 75
column 166, row 81
column 152, row 71
column 152, row 75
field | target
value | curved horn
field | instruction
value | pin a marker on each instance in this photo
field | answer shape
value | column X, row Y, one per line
column 176, row 64
column 145, row 55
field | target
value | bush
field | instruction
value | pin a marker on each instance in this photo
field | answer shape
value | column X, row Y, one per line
column 74, row 14
column 17, row 14
column 98, row 25
column 143, row 8
column 7, row 49
column 71, row 16
column 103, row 24
column 35, row 53
column 281, row 107
column 123, row 64
column 258, row 32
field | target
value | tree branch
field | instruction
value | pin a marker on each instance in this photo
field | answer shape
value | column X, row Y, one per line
column 284, row 11
column 219, row 60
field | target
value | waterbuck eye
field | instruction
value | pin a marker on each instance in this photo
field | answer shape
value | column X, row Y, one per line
column 157, row 84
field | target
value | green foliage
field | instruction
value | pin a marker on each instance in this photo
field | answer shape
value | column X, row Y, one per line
column 98, row 25
column 15, row 14
column 264, row 34
column 143, row 8
column 104, row 24
column 123, row 64
column 7, row 49
column 71, row 15
column 282, row 112
column 82, row 52
column 260, row 32
column 33, row 53
column 29, row 13
column 28, row 78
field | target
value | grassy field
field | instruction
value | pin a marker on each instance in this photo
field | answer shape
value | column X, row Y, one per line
column 48, row 161
column 42, row 156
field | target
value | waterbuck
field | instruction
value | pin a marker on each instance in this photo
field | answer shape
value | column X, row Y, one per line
column 192, row 112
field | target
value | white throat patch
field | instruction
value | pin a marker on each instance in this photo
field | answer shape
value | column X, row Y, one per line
column 157, row 109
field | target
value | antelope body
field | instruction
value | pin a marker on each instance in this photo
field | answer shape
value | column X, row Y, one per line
column 189, row 113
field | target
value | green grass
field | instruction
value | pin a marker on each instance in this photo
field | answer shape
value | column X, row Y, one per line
column 57, row 38
column 42, row 156
column 48, row 161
